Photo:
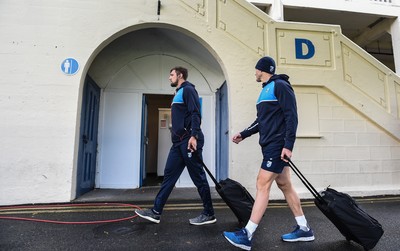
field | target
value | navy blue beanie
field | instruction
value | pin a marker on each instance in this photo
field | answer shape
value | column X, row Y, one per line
column 266, row 64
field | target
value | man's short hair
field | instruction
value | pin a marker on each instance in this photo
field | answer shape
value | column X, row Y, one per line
column 180, row 70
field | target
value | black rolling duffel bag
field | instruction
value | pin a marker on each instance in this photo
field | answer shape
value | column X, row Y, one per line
column 236, row 196
column 343, row 211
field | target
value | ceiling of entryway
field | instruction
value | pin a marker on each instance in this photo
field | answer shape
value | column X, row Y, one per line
column 142, row 51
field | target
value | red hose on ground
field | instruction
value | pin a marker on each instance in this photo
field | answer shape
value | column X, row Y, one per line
column 11, row 208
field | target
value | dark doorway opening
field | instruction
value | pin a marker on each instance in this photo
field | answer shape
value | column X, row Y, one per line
column 152, row 104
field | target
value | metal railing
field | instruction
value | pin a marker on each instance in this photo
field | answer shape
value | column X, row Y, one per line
column 383, row 1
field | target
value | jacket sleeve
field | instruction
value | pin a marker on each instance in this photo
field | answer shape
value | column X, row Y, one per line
column 252, row 129
column 287, row 101
column 191, row 99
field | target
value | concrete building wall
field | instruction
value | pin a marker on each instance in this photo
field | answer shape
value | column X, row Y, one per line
column 352, row 153
column 371, row 24
column 358, row 128
column 41, row 106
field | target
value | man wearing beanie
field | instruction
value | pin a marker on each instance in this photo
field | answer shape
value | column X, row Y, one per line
column 276, row 124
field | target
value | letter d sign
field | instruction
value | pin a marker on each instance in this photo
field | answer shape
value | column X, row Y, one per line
column 299, row 48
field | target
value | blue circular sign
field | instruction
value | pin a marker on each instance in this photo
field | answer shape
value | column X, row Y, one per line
column 69, row 66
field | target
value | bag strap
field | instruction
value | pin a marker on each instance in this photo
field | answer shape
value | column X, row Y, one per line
column 303, row 179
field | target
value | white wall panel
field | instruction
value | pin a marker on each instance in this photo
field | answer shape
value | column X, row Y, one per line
column 119, row 155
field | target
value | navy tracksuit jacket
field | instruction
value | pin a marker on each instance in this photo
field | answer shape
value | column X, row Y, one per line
column 276, row 114
column 186, row 117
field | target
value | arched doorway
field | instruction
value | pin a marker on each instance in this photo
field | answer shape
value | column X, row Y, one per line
column 133, row 71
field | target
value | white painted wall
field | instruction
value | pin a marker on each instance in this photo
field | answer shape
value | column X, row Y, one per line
column 361, row 6
column 353, row 154
column 40, row 106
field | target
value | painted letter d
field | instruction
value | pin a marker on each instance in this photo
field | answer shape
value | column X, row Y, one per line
column 299, row 48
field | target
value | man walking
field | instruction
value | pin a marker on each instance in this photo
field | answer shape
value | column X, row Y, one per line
column 187, row 138
column 276, row 124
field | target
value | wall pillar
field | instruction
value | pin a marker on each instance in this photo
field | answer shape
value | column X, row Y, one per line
column 395, row 32
column 276, row 10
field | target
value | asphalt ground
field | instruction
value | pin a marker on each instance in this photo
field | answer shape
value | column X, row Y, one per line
column 174, row 231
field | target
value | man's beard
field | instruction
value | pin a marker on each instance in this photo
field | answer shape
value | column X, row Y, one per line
column 174, row 84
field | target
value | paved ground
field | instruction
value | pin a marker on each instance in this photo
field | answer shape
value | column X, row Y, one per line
column 175, row 233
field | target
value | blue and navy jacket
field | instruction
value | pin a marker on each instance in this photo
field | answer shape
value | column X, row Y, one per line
column 276, row 114
column 185, row 112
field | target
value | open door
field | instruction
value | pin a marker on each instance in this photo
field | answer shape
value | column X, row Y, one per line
column 222, row 131
column 145, row 142
column 88, row 137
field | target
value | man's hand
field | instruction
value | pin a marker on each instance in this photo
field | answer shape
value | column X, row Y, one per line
column 286, row 152
column 237, row 138
column 192, row 144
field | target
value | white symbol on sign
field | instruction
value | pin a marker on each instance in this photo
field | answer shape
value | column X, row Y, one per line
column 67, row 64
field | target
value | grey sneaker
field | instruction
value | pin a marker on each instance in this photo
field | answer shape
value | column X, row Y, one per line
column 202, row 220
column 148, row 214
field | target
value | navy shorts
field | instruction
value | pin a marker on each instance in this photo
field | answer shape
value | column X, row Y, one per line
column 272, row 159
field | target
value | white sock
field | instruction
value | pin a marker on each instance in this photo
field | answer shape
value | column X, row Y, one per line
column 251, row 228
column 302, row 222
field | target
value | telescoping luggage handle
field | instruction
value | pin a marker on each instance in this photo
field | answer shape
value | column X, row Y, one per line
column 207, row 170
column 303, row 179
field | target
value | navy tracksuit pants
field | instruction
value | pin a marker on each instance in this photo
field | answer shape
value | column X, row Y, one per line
column 177, row 160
